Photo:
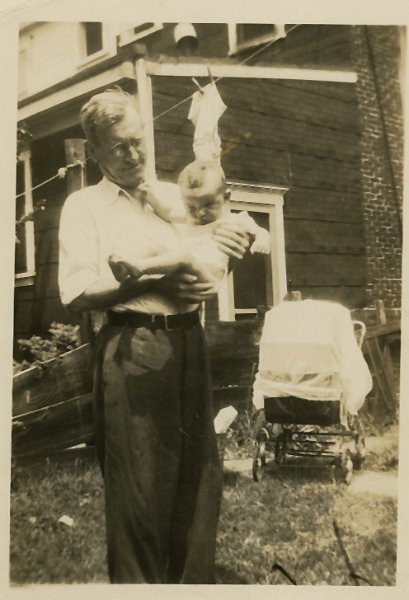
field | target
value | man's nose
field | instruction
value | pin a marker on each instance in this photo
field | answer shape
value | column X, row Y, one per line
column 133, row 152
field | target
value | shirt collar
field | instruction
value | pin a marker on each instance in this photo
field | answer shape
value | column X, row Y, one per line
column 111, row 191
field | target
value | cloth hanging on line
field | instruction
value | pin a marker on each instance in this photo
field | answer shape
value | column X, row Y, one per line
column 205, row 111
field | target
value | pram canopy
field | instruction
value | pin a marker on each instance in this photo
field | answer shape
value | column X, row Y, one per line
column 308, row 350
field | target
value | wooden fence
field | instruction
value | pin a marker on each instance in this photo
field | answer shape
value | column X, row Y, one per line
column 52, row 404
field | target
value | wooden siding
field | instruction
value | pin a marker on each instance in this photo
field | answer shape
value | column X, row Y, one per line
column 212, row 37
column 299, row 134
column 306, row 45
column 318, row 45
column 37, row 305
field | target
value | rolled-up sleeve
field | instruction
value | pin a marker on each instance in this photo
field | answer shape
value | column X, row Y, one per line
column 78, row 248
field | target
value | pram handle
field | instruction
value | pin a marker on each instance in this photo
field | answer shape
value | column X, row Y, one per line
column 360, row 331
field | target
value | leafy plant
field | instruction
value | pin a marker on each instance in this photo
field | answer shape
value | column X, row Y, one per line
column 61, row 338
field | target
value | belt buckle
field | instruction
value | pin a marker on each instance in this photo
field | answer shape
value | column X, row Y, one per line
column 155, row 319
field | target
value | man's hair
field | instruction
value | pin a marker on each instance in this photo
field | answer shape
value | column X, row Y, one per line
column 104, row 109
column 198, row 176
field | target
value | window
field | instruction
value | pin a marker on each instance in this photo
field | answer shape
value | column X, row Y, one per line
column 137, row 32
column 252, row 277
column 24, row 254
column 93, row 38
column 248, row 35
column 92, row 42
column 257, row 280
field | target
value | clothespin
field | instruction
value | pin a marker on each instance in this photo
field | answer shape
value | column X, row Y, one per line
column 197, row 84
column 210, row 73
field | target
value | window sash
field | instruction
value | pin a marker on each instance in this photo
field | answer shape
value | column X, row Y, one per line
column 139, row 31
column 94, row 41
column 85, row 59
column 27, row 239
column 269, row 200
column 238, row 45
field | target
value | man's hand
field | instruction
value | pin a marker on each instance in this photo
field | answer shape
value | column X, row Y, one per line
column 231, row 238
column 165, row 199
column 119, row 268
column 185, row 287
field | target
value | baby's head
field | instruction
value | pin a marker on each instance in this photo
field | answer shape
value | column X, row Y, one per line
column 203, row 187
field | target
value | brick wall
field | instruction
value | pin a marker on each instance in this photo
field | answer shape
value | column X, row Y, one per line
column 376, row 57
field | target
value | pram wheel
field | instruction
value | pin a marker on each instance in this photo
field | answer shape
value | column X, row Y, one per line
column 279, row 450
column 258, row 470
column 347, row 465
column 359, row 455
column 259, row 462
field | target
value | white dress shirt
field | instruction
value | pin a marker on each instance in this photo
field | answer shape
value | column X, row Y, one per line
column 101, row 220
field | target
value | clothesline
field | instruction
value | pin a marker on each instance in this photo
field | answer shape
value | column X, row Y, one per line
column 264, row 47
column 61, row 173
column 63, row 170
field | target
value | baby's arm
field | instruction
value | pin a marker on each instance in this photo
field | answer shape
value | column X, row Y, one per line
column 165, row 199
column 160, row 264
column 261, row 242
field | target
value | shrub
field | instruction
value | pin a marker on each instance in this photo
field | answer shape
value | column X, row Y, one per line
column 37, row 349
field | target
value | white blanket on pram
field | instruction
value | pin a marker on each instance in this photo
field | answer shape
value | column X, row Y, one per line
column 308, row 349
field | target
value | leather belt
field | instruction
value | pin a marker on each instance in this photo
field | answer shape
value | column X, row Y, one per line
column 158, row 321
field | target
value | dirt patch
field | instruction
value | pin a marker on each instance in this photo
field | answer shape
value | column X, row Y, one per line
column 380, row 443
column 372, row 482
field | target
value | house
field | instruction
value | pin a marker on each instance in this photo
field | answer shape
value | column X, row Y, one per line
column 312, row 148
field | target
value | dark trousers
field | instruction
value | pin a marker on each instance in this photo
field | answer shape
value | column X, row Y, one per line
column 158, row 454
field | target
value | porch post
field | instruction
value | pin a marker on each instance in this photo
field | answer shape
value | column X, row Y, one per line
column 146, row 111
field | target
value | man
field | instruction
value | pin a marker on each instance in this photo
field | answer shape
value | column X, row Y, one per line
column 153, row 414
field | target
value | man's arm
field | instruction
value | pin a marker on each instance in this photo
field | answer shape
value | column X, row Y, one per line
column 103, row 294
column 80, row 287
column 160, row 264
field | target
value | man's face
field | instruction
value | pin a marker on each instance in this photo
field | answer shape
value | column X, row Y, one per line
column 121, row 151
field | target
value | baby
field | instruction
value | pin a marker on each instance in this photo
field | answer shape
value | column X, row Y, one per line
column 194, row 207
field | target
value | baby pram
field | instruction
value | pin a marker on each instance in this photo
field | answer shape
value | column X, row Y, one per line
column 312, row 381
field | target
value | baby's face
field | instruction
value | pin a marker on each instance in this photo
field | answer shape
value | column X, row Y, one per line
column 205, row 209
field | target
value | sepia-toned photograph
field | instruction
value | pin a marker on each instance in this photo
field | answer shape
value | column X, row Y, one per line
column 206, row 380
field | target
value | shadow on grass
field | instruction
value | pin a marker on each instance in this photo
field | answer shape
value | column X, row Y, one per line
column 286, row 518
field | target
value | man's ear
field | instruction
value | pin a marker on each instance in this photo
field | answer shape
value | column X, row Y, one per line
column 90, row 151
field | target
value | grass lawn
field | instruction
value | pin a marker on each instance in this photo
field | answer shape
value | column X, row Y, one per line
column 42, row 550
column 286, row 518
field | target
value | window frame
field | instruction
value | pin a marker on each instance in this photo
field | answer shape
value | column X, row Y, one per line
column 235, row 47
column 24, row 59
column 27, row 277
column 268, row 200
column 128, row 36
column 108, row 46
